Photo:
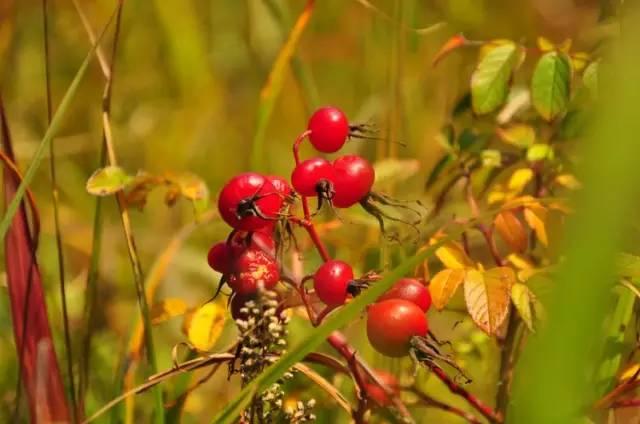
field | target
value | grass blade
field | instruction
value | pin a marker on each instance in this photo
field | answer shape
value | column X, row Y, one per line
column 273, row 86
column 51, row 132
column 56, row 218
column 32, row 332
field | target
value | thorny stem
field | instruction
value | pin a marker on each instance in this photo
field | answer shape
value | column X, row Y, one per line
column 429, row 401
column 626, row 403
column 477, row 404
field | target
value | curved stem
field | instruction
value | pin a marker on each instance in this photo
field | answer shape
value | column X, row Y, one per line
column 296, row 145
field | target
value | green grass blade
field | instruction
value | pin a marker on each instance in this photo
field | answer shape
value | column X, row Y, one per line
column 317, row 336
column 51, row 132
column 555, row 380
column 272, row 88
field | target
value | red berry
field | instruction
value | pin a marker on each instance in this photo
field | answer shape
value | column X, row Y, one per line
column 331, row 280
column 249, row 202
column 354, row 177
column 260, row 240
column 281, row 185
column 313, row 177
column 377, row 394
column 219, row 258
column 329, row 129
column 411, row 289
column 392, row 323
column 252, row 269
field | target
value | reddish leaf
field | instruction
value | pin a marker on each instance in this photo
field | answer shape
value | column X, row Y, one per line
column 38, row 361
column 511, row 230
column 453, row 43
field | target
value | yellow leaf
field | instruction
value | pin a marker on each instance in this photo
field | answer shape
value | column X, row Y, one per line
column 496, row 197
column 568, row 181
column 519, row 201
column 523, row 300
column 519, row 135
column 487, row 296
column 204, row 325
column 166, row 309
column 519, row 179
column 444, row 285
column 545, row 45
column 565, row 46
column 579, row 60
column 511, row 230
column 629, row 372
column 452, row 256
column 536, row 217
column 519, row 261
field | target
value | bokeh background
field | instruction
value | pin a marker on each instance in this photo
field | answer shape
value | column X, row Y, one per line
column 188, row 77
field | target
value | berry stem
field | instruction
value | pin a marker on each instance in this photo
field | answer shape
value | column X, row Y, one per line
column 296, row 145
column 454, row 388
column 431, row 402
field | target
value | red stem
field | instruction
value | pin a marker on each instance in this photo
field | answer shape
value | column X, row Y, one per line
column 429, row 401
column 626, row 403
column 477, row 404
column 296, row 145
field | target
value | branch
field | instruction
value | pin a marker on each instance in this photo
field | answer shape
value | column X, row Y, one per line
column 476, row 403
column 431, row 402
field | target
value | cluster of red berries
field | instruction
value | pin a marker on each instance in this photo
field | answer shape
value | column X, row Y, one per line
column 252, row 204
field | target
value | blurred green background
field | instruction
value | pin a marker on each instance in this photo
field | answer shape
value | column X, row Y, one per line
column 188, row 76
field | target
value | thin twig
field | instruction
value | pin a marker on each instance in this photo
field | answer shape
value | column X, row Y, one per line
column 455, row 388
column 431, row 402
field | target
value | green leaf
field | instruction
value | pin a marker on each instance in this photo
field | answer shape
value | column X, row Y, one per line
column 628, row 266
column 437, row 170
column 550, row 85
column 490, row 80
column 616, row 330
column 108, row 180
column 523, row 300
column 491, row 158
column 539, row 151
column 590, row 78
column 318, row 335
column 519, row 135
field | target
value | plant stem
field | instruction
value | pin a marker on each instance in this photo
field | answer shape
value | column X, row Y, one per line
column 477, row 404
column 56, row 220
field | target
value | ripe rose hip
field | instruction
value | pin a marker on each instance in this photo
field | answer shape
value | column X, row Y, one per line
column 377, row 394
column 281, row 185
column 354, row 177
column 392, row 323
column 329, row 129
column 411, row 289
column 253, row 269
column 331, row 280
column 313, row 177
column 219, row 258
column 261, row 240
column 249, row 202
